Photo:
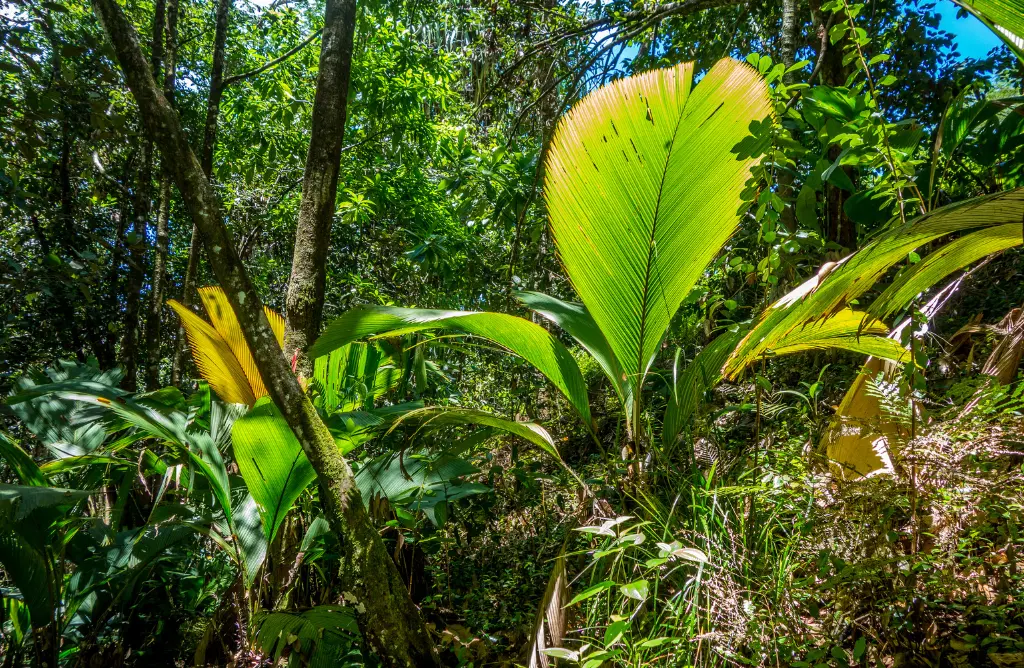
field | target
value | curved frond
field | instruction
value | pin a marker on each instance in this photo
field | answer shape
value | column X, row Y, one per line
column 521, row 337
column 845, row 330
column 828, row 293
column 943, row 262
column 441, row 416
column 577, row 322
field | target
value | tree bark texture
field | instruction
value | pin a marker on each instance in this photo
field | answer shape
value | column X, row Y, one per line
column 142, row 204
column 787, row 55
column 156, row 295
column 306, row 287
column 387, row 617
column 220, row 38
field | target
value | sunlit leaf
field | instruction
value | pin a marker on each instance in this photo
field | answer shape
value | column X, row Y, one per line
column 642, row 186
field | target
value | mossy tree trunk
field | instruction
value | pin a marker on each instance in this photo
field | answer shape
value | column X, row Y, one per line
column 387, row 617
column 220, row 39
column 306, row 287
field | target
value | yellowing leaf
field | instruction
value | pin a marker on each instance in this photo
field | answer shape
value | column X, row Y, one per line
column 224, row 321
column 220, row 350
column 214, row 359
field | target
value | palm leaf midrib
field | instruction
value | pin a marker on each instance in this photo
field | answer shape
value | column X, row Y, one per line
column 652, row 245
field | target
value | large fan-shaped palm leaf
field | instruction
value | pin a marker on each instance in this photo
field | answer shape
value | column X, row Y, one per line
column 642, row 187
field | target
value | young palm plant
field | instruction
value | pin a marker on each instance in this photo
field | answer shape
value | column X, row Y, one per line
column 643, row 189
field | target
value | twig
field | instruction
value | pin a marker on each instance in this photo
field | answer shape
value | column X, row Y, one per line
column 276, row 61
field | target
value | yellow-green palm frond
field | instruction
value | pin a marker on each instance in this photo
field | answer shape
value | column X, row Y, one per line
column 220, row 350
column 213, row 357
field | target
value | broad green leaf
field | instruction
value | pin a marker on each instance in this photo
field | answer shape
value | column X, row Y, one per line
column 592, row 591
column 66, row 428
column 643, row 188
column 522, row 337
column 352, row 376
column 827, row 294
column 271, row 462
column 250, row 538
column 84, row 461
column 636, row 590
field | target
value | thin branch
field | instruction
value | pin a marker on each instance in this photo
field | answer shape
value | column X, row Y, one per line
column 275, row 62
column 817, row 65
column 645, row 18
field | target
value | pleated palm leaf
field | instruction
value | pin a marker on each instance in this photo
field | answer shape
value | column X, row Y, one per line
column 803, row 319
column 817, row 314
column 1004, row 17
column 219, row 349
column 643, row 187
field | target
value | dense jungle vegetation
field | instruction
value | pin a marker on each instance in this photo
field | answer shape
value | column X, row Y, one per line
column 511, row 333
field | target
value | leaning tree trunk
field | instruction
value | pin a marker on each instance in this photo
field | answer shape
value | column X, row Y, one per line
column 306, row 287
column 156, row 296
column 220, row 38
column 386, row 615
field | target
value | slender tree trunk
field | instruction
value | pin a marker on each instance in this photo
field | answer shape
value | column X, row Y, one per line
column 387, row 617
column 156, row 296
column 111, row 298
column 65, row 236
column 143, row 202
column 136, row 274
column 787, row 55
column 220, row 38
column 305, row 301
